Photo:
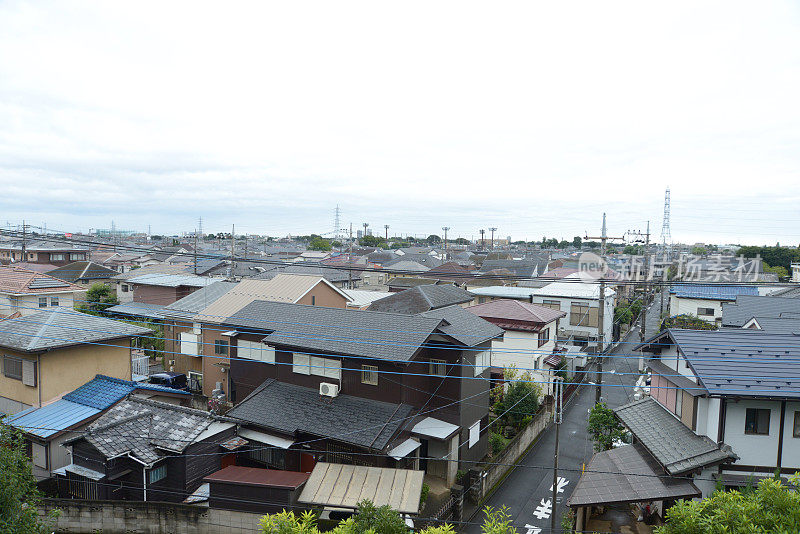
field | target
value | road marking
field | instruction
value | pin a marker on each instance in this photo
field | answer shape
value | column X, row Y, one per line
column 544, row 509
column 532, row 529
column 561, row 483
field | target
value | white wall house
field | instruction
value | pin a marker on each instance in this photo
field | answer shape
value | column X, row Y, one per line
column 581, row 303
column 27, row 292
column 711, row 392
column 705, row 301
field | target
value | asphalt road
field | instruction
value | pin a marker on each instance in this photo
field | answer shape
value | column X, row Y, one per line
column 527, row 492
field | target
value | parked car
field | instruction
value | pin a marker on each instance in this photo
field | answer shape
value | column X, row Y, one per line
column 171, row 380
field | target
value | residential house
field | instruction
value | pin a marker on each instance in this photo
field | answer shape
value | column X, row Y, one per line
column 341, row 279
column 145, row 450
column 705, row 300
column 529, row 342
column 521, row 293
column 52, row 352
column 735, row 386
column 83, row 273
column 581, row 302
column 124, row 289
column 422, row 298
column 165, row 289
column 450, row 272
column 254, row 489
column 42, row 252
column 401, row 283
column 46, row 428
column 211, row 341
column 362, row 298
column 745, row 307
column 363, row 383
column 24, row 292
column 522, row 268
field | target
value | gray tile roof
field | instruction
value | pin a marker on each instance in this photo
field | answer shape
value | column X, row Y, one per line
column 787, row 292
column 290, row 408
column 464, row 326
column 748, row 306
column 390, row 336
column 739, row 362
column 330, row 274
column 54, row 329
column 526, row 268
column 138, row 309
column 144, row 428
column 673, row 444
column 194, row 303
column 779, row 325
column 82, row 271
column 422, row 298
column 627, row 474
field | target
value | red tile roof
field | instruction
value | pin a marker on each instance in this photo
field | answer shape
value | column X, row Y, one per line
column 17, row 280
column 253, row 476
column 504, row 310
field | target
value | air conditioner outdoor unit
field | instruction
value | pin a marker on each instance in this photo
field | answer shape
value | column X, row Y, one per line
column 329, row 390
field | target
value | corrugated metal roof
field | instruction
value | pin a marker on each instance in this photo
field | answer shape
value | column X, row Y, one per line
column 711, row 291
column 575, row 289
column 190, row 305
column 104, row 391
column 171, row 280
column 748, row 306
column 52, row 418
column 138, row 309
column 253, row 476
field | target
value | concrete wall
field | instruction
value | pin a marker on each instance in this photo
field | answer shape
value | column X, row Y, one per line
column 752, row 449
column 131, row 517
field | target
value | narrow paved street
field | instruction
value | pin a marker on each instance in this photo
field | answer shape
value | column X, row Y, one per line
column 526, row 492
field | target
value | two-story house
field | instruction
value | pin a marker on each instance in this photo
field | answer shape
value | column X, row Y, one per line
column 373, row 388
column 423, row 298
column 42, row 252
column 735, row 386
column 208, row 338
column 705, row 300
column 25, row 292
column 52, row 352
column 530, row 340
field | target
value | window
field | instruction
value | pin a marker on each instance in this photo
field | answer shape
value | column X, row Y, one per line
column 56, row 257
column 42, row 302
column 544, row 336
column 474, row 433
column 76, row 257
column 327, row 367
column 756, row 421
column 482, row 361
column 275, row 458
column 552, row 304
column 125, row 288
column 705, row 311
column 189, row 343
column 678, row 402
column 159, row 473
column 300, row 364
column 438, row 368
column 796, row 432
column 255, row 351
column 313, row 300
column 220, row 347
column 369, row 375
column 581, row 314
column 195, row 381
column 53, row 301
column 12, row 367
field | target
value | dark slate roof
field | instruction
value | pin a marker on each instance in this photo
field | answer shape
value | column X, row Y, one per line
column 422, row 298
column 82, row 271
column 204, row 266
column 627, row 474
column 748, row 306
column 408, row 281
column 673, row 444
column 426, row 260
column 144, row 429
column 194, row 303
column 787, row 292
column 780, row 325
column 526, row 268
column 138, row 309
column 331, row 275
column 508, row 312
column 289, row 408
column 711, row 291
column 463, row 326
column 739, row 362
column 104, row 391
column 54, row 329
column 390, row 336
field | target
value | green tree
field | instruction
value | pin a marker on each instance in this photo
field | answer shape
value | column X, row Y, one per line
column 577, row 242
column 433, row 239
column 371, row 241
column 563, row 244
column 623, row 314
column 604, row 428
column 19, row 497
column 769, row 507
column 778, row 269
column 687, row 321
column 336, row 244
column 592, row 244
column 98, row 298
column 519, row 403
column 461, row 241
column 632, row 250
column 699, row 251
column 318, row 243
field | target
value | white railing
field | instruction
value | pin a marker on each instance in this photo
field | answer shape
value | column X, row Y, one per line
column 140, row 365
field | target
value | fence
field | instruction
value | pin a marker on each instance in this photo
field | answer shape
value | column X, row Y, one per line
column 140, row 365
column 132, row 517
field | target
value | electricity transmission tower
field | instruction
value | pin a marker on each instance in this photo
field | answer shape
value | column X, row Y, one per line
column 666, row 236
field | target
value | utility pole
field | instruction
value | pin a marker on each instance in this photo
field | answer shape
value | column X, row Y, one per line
column 643, row 322
column 24, row 241
column 386, row 228
column 233, row 248
column 601, row 310
column 482, row 231
column 195, row 252
column 350, row 260
column 493, row 230
column 445, row 229
column 558, row 409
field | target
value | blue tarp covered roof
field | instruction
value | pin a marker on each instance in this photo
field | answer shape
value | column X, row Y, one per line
column 53, row 418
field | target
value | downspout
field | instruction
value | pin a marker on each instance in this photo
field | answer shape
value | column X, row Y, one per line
column 39, row 377
column 780, row 435
column 144, row 483
column 721, row 424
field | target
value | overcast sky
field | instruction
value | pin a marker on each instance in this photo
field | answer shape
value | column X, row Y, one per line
column 534, row 117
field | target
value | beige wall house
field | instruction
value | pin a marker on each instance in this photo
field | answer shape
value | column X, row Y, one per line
column 26, row 292
column 49, row 353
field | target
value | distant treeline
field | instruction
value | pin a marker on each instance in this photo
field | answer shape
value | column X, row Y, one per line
column 776, row 256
